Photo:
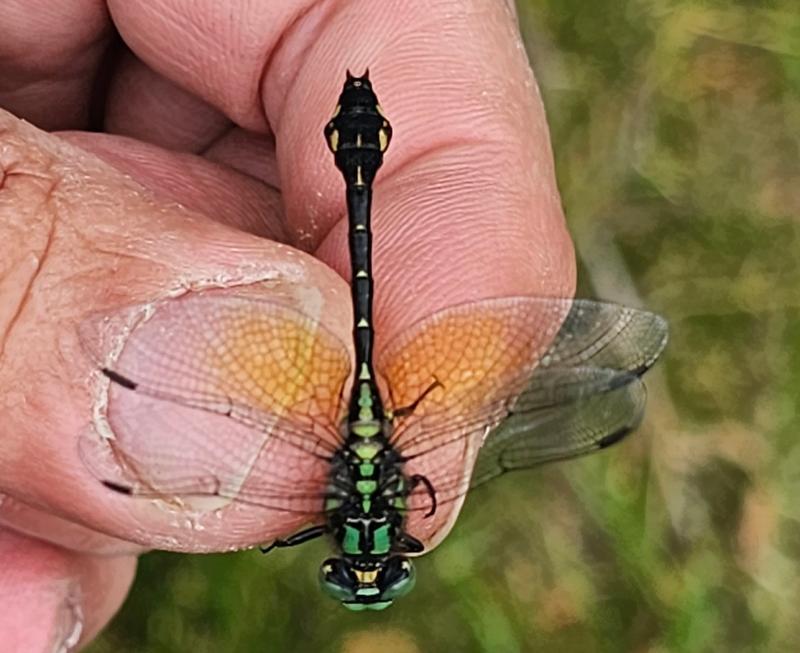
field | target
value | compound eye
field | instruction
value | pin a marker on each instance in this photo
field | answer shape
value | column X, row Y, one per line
column 337, row 579
column 397, row 579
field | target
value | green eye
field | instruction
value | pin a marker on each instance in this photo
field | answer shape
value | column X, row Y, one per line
column 355, row 607
column 336, row 591
column 336, row 581
column 400, row 578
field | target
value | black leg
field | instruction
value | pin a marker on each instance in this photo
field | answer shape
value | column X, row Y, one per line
column 415, row 481
column 298, row 538
column 407, row 410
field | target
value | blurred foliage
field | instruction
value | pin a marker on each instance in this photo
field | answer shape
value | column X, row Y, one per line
column 675, row 128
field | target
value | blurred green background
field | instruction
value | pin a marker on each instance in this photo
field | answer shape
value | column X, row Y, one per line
column 676, row 128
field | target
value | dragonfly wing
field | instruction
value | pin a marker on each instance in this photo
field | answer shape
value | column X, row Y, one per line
column 602, row 416
column 477, row 358
column 484, row 360
column 228, row 397
column 609, row 336
column 202, row 461
column 564, row 413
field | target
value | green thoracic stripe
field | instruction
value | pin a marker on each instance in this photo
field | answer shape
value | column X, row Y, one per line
column 380, row 540
column 351, row 544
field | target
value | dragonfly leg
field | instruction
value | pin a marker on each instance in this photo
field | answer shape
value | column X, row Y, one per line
column 408, row 410
column 298, row 538
column 406, row 543
column 415, row 481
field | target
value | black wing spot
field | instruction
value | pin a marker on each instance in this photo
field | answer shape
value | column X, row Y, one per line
column 614, row 437
column 117, row 487
column 622, row 380
column 124, row 381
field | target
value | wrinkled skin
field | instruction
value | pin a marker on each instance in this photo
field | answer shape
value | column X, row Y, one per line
column 186, row 185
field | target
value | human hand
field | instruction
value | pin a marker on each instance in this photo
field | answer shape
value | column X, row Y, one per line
column 466, row 207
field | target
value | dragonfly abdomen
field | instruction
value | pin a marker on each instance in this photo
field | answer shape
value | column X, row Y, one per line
column 358, row 134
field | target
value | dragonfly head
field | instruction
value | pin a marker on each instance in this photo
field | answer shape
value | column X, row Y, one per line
column 371, row 585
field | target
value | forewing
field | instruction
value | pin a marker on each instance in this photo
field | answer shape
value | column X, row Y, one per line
column 231, row 397
column 606, row 335
column 476, row 359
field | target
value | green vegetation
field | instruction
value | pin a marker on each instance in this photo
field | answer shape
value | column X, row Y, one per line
column 675, row 126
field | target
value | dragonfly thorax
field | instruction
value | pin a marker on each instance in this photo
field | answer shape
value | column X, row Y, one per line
column 367, row 495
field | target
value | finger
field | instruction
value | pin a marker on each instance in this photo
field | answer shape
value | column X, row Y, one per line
column 467, row 205
column 80, row 242
column 217, row 52
column 46, row 527
column 50, row 53
column 147, row 106
column 218, row 191
column 247, row 152
column 54, row 600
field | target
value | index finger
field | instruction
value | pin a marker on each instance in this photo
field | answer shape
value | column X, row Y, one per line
column 466, row 206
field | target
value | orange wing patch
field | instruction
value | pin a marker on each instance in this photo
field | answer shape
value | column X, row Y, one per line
column 479, row 354
column 279, row 367
column 227, row 398
column 278, row 363
column 474, row 360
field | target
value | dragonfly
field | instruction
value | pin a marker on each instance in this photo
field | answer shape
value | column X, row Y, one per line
column 374, row 450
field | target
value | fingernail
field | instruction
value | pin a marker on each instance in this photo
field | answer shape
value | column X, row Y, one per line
column 69, row 625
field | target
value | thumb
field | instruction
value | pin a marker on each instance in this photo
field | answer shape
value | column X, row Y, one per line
column 84, row 245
